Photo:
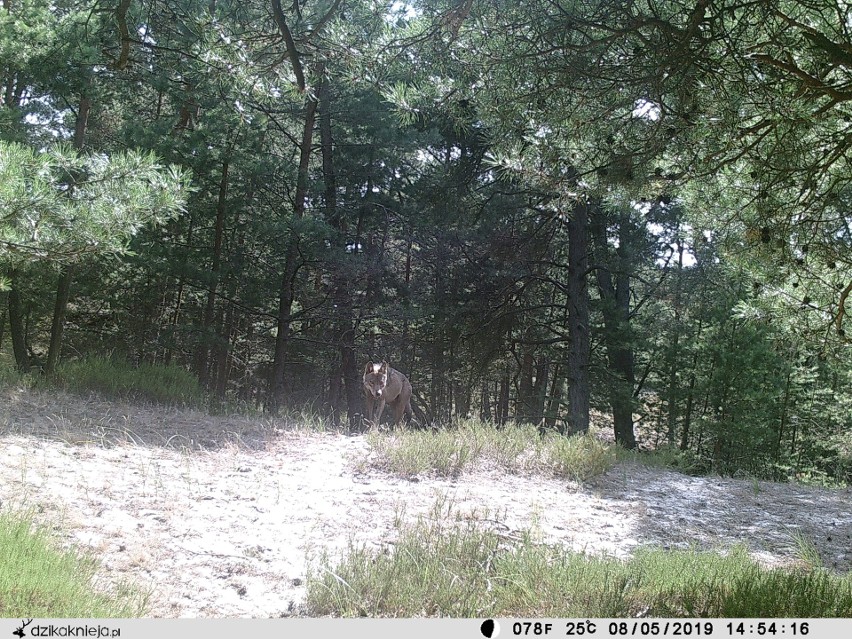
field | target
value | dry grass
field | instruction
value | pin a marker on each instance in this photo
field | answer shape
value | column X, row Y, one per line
column 92, row 420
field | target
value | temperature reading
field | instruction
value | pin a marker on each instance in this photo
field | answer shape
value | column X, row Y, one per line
column 530, row 628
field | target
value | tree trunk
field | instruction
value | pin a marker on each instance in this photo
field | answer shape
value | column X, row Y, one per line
column 526, row 395
column 579, row 387
column 57, row 325
column 781, row 424
column 440, row 381
column 503, row 405
column 222, row 358
column 407, row 342
column 690, row 394
column 687, row 414
column 616, row 310
column 178, row 305
column 291, row 257
column 437, row 399
column 346, row 326
column 286, row 292
column 202, row 356
column 485, row 414
column 4, row 299
column 352, row 382
column 63, row 287
column 542, row 374
column 674, row 353
column 463, row 400
column 335, row 391
column 16, row 327
column 552, row 413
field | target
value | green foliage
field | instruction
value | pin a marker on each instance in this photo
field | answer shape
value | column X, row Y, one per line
column 158, row 383
column 462, row 570
column 59, row 205
column 39, row 580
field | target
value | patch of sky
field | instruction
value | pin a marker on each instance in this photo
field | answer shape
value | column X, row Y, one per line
column 145, row 36
column 645, row 109
column 665, row 237
column 398, row 11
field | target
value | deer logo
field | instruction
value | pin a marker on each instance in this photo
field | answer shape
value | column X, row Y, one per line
column 20, row 631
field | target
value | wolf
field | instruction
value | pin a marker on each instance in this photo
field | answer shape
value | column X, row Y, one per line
column 386, row 385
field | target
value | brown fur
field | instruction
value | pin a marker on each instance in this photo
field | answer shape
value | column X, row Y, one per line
column 386, row 385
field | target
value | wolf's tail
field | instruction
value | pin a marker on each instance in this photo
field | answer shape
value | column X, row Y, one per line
column 424, row 421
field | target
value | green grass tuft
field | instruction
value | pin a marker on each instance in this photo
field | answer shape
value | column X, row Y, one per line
column 441, row 569
column 111, row 378
column 516, row 448
column 664, row 457
column 807, row 551
column 37, row 580
column 9, row 374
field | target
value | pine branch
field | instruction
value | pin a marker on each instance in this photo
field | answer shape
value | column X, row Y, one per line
column 292, row 53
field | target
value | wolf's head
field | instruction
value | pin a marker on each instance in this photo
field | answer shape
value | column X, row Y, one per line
column 375, row 378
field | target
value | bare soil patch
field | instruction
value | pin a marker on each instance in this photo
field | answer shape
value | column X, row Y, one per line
column 220, row 516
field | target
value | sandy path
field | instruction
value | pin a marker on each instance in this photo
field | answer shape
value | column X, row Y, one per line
column 228, row 530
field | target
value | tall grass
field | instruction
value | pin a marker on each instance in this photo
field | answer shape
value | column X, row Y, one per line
column 115, row 378
column 665, row 456
column 9, row 375
column 473, row 444
column 439, row 569
column 38, row 580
